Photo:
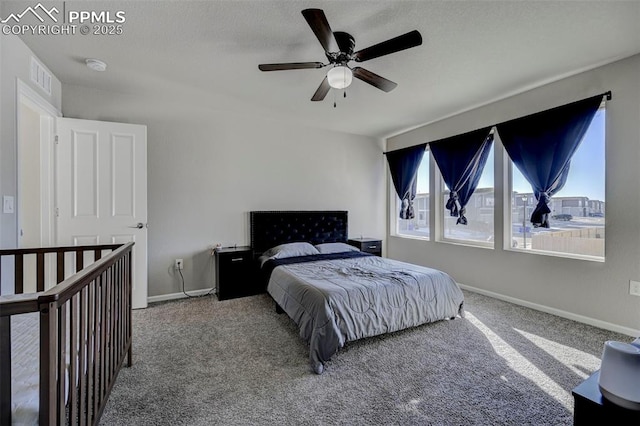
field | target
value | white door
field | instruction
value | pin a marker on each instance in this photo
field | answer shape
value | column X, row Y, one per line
column 101, row 189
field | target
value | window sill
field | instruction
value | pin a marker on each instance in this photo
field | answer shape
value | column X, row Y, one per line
column 411, row 237
column 556, row 254
column 448, row 241
column 467, row 243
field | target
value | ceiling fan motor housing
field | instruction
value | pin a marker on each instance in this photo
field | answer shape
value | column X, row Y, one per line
column 347, row 44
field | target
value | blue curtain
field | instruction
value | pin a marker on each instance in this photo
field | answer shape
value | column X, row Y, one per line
column 461, row 160
column 541, row 146
column 403, row 165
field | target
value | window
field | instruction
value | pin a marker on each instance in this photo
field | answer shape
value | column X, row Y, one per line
column 479, row 212
column 577, row 211
column 419, row 225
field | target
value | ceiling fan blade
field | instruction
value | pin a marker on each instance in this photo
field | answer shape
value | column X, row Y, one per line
column 322, row 90
column 320, row 27
column 290, row 66
column 396, row 44
column 374, row 79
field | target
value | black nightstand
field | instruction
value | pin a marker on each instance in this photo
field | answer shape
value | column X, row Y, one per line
column 367, row 245
column 591, row 408
column 236, row 273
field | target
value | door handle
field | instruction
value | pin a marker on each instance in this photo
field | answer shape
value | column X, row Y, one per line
column 140, row 225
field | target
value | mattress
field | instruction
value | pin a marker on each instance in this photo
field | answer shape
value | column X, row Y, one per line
column 341, row 299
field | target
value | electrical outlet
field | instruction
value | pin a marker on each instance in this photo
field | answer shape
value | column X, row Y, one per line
column 179, row 264
column 634, row 288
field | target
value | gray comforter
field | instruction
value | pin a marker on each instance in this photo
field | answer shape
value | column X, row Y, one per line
column 335, row 301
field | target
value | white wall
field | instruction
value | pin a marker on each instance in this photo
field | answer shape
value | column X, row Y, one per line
column 594, row 290
column 15, row 64
column 207, row 168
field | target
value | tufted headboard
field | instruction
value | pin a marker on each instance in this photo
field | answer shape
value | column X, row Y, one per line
column 271, row 228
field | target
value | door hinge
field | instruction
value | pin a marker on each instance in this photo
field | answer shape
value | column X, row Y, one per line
column 56, row 139
column 57, row 212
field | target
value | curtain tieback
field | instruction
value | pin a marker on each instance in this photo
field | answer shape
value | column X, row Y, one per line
column 453, row 204
column 456, row 209
column 462, row 220
column 540, row 215
column 406, row 211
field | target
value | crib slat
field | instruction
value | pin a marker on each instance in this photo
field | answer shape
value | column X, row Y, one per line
column 97, row 254
column 40, row 271
column 129, row 310
column 110, row 325
column 5, row 370
column 121, row 311
column 48, row 346
column 116, row 315
column 62, row 361
column 118, row 321
column 19, row 273
column 105, row 323
column 112, row 328
column 129, row 307
column 103, row 337
column 90, row 348
column 60, row 267
column 73, row 353
column 79, row 260
column 96, row 346
column 83, row 357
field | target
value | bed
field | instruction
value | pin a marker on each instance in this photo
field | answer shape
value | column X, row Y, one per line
column 65, row 331
column 337, row 294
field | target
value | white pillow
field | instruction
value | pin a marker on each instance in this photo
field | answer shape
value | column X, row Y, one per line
column 335, row 248
column 290, row 250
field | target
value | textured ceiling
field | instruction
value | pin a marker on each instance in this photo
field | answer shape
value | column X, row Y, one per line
column 473, row 52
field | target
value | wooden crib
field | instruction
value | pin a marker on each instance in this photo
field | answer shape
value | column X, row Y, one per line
column 84, row 327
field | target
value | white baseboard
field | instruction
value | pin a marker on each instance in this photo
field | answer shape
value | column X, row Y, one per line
column 174, row 296
column 564, row 314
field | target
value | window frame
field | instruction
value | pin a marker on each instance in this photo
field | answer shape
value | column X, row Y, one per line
column 440, row 209
column 394, row 207
column 508, row 210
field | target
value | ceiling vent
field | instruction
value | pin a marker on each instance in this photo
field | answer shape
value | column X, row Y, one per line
column 40, row 76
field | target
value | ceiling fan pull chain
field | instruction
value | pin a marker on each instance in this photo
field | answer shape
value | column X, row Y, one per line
column 345, row 94
column 334, row 98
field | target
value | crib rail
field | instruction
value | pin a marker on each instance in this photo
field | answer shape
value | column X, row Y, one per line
column 85, row 332
column 61, row 267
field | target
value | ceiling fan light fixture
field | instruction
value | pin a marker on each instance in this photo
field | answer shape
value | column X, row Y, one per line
column 339, row 77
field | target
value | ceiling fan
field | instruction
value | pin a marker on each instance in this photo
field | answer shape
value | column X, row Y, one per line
column 339, row 50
